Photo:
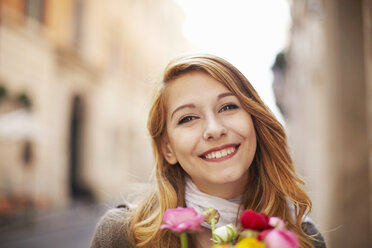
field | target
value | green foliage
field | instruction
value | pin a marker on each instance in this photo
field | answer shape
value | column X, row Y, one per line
column 24, row 100
column 3, row 92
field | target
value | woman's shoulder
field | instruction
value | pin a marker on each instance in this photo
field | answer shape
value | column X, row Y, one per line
column 111, row 229
column 309, row 227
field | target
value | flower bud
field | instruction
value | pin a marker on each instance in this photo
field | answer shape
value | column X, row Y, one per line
column 210, row 214
column 225, row 234
column 223, row 246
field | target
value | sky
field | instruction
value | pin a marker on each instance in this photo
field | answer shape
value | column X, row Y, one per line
column 247, row 33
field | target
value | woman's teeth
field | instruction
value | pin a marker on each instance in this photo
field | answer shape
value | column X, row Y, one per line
column 221, row 153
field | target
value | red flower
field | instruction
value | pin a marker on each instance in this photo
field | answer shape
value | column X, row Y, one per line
column 254, row 221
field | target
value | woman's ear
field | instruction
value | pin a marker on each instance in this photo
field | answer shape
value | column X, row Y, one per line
column 168, row 151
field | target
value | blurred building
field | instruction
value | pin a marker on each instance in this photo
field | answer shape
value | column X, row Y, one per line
column 76, row 80
column 323, row 85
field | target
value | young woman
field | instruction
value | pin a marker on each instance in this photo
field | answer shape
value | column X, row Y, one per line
column 216, row 144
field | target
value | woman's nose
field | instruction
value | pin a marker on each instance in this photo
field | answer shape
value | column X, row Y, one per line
column 214, row 129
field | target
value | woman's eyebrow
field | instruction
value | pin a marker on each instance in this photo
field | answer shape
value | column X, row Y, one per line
column 190, row 105
column 222, row 95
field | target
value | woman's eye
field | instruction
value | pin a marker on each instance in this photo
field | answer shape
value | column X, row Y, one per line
column 229, row 107
column 186, row 119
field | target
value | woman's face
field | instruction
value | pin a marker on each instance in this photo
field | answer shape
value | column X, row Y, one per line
column 209, row 134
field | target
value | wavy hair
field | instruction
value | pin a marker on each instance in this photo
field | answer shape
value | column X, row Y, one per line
column 271, row 173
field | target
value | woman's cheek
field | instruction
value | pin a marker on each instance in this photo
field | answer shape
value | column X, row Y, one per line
column 182, row 138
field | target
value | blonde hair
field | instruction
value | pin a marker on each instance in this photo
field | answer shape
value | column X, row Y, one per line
column 271, row 173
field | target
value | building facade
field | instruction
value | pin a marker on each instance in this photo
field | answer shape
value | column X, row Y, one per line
column 76, row 80
column 323, row 84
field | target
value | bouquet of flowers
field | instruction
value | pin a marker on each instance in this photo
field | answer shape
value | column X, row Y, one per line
column 257, row 230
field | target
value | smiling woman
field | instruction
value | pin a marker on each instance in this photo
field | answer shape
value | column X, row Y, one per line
column 209, row 134
column 216, row 145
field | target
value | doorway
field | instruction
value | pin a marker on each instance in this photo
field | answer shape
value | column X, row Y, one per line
column 78, row 190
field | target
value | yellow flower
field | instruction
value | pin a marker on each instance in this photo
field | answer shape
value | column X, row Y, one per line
column 249, row 243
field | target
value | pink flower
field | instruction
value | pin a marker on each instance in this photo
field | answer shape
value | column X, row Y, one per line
column 182, row 219
column 254, row 221
column 276, row 222
column 262, row 235
column 277, row 238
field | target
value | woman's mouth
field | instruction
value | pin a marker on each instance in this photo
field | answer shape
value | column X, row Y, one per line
column 221, row 153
